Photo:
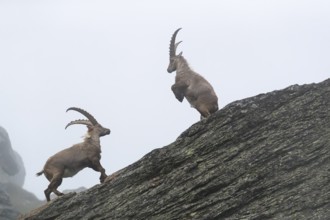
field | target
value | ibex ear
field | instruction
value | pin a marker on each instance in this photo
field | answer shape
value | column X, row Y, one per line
column 89, row 127
column 180, row 54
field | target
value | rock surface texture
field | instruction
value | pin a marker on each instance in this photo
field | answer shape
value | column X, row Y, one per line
column 265, row 157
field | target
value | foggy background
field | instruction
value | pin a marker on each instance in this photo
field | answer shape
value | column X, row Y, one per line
column 110, row 58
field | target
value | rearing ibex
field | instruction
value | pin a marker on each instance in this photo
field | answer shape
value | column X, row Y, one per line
column 70, row 161
column 189, row 84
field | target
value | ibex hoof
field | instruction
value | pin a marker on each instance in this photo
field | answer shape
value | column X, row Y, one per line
column 102, row 179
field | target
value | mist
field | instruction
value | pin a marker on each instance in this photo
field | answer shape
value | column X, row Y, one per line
column 110, row 58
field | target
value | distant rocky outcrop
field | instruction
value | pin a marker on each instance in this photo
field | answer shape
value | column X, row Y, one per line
column 265, row 157
column 7, row 211
column 13, row 198
column 12, row 168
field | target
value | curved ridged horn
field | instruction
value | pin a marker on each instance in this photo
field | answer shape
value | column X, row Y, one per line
column 79, row 122
column 173, row 45
column 86, row 114
column 176, row 45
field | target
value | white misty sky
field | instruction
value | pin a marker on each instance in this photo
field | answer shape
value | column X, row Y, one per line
column 110, row 58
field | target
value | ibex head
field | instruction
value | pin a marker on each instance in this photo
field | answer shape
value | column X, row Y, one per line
column 91, row 123
column 173, row 56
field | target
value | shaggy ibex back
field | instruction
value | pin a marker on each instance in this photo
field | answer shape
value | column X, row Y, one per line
column 70, row 161
column 189, row 84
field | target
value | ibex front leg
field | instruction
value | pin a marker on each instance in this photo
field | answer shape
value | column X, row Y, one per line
column 179, row 89
column 96, row 165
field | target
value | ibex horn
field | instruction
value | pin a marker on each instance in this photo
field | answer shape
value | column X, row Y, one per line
column 173, row 45
column 80, row 121
column 86, row 114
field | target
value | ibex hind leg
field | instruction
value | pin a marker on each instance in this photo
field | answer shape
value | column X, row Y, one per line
column 52, row 187
column 47, row 194
column 58, row 193
column 49, row 191
column 203, row 111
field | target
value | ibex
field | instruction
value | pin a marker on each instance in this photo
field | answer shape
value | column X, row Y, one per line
column 189, row 84
column 70, row 161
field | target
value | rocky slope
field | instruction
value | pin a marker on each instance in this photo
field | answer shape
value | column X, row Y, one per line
column 265, row 157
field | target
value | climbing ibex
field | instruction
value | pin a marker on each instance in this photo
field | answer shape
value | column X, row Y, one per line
column 189, row 84
column 70, row 161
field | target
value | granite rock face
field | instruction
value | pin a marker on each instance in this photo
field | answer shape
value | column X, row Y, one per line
column 264, row 157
